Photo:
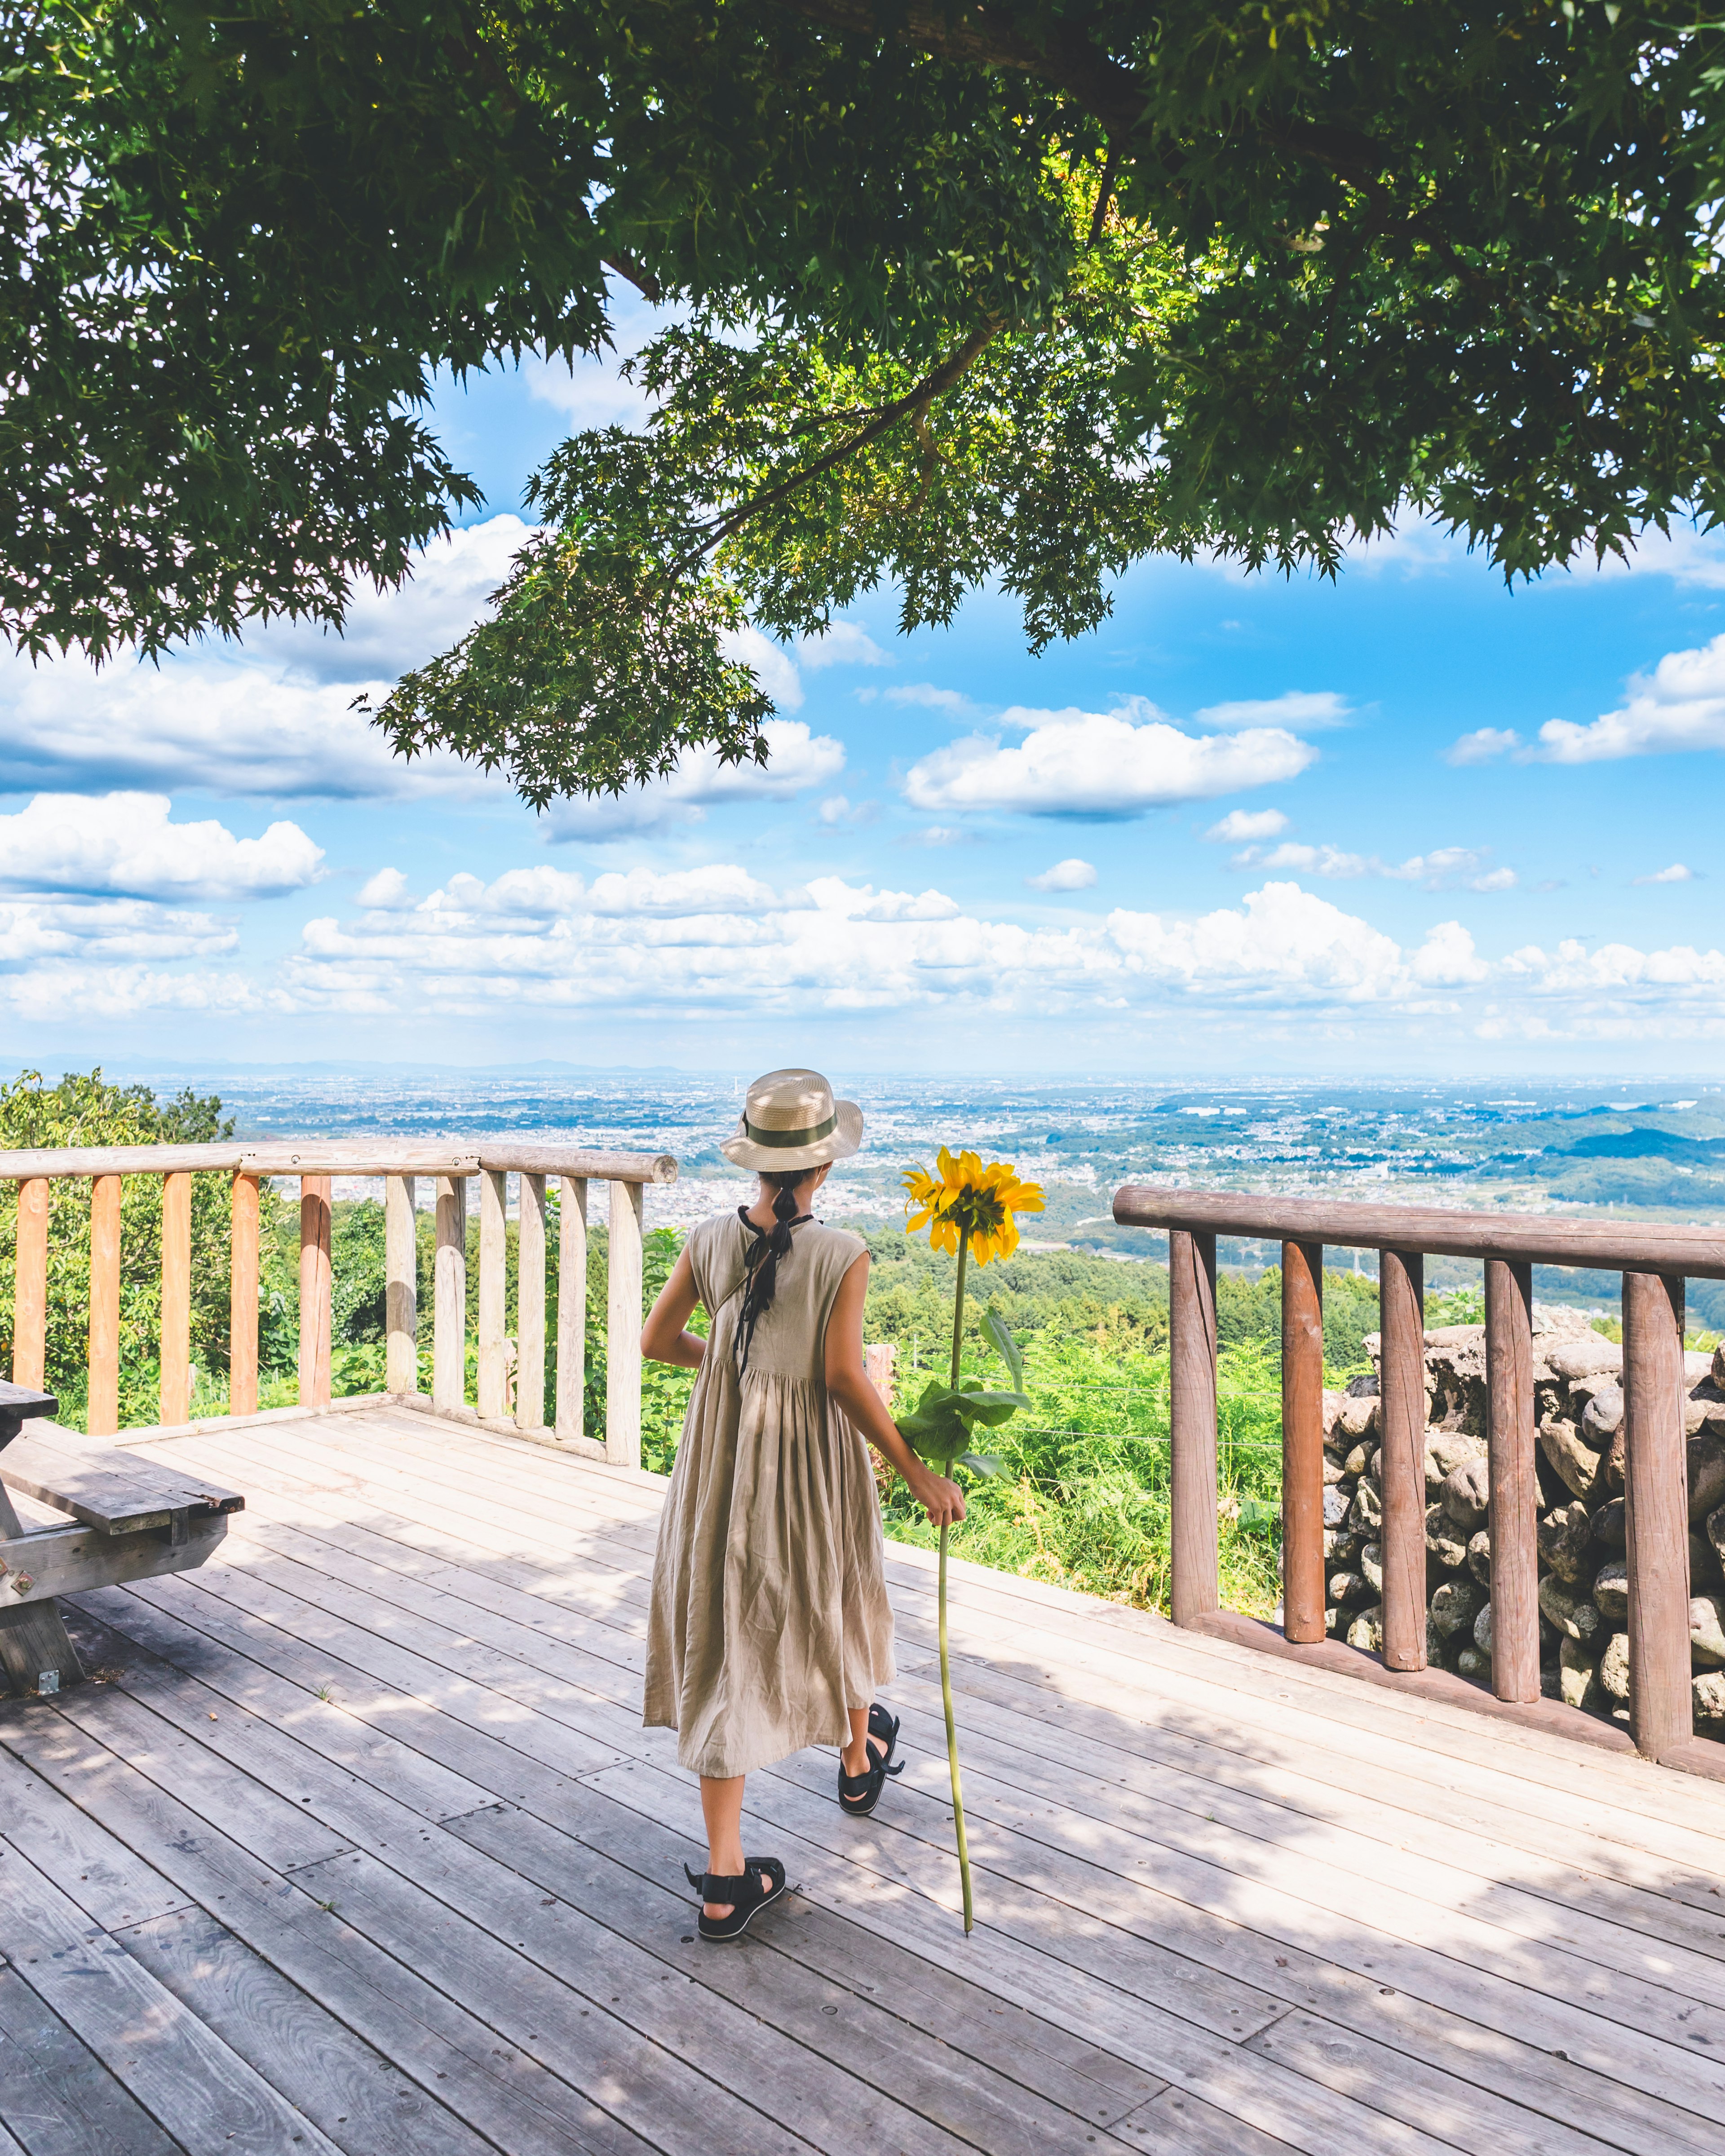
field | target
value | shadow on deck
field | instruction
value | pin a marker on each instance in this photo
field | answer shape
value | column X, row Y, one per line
column 356, row 1842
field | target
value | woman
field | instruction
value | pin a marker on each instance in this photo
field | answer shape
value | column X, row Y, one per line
column 771, row 1628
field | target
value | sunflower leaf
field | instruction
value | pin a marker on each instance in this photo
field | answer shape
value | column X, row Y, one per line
column 979, row 1463
column 991, row 1408
column 994, row 1326
column 936, row 1431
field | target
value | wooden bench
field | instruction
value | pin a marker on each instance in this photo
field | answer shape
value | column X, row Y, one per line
column 132, row 1520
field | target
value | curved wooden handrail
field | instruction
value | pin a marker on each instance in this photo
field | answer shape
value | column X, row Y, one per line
column 1654, row 1260
column 364, row 1155
column 451, row 1164
column 1541, row 1238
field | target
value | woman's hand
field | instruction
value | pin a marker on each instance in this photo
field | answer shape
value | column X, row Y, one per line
column 943, row 1500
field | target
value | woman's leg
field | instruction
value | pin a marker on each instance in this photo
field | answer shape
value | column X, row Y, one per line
column 721, row 1808
column 856, row 1755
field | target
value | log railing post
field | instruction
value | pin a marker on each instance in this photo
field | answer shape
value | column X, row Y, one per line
column 102, row 1418
column 1401, row 1280
column 1302, row 1441
column 1195, row 1578
column 1515, row 1486
column 173, row 1396
column 29, row 1302
column 493, row 1373
column 623, row 1329
column 449, row 1295
column 401, row 1285
column 572, row 1307
column 243, row 1298
column 1656, row 1512
column 530, row 1306
column 314, row 1290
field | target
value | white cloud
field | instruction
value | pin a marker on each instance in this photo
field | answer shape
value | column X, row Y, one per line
column 716, row 937
column 109, row 928
column 1447, row 959
column 1072, row 874
column 49, row 995
column 123, row 843
column 589, row 390
column 835, row 945
column 722, row 888
column 772, row 665
column 889, row 905
column 834, row 809
column 388, row 633
column 72, row 959
column 1285, row 943
column 1298, row 707
column 384, row 891
column 1444, row 868
column 925, row 695
column 797, row 760
column 267, row 718
column 1679, row 706
column 1100, row 764
column 844, row 644
column 1677, row 873
column 1689, row 556
column 1416, row 548
column 1614, row 969
column 1482, row 744
column 1240, row 825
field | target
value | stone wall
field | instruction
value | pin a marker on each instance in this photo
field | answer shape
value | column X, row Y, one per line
column 1584, row 1639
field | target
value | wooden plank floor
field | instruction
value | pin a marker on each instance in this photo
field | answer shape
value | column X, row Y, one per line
column 357, row 1843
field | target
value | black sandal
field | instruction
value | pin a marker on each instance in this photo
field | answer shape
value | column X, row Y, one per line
column 885, row 1726
column 859, row 1794
column 743, row 1893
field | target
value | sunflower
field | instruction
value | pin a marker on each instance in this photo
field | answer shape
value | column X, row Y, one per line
column 961, row 1201
column 968, row 1210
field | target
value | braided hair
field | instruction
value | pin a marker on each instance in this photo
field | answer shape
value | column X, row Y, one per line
column 764, row 1254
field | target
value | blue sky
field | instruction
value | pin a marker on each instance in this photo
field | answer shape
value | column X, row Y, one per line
column 1406, row 822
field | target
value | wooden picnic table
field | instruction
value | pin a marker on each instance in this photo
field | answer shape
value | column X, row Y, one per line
column 129, row 1518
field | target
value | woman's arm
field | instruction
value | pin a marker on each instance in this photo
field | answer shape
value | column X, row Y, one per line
column 663, row 1336
column 848, row 1383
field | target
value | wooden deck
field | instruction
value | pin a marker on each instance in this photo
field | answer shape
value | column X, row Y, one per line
column 358, row 1826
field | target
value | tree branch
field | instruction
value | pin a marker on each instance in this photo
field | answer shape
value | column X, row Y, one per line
column 1105, row 194
column 933, row 384
column 631, row 272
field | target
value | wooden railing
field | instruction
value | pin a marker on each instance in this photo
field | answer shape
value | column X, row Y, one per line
column 313, row 1163
column 1654, row 1261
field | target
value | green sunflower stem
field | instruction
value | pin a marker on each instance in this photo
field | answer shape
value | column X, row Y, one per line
column 958, row 1305
column 953, row 1741
column 945, row 1665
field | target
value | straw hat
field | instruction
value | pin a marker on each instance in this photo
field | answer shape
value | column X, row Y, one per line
column 790, row 1120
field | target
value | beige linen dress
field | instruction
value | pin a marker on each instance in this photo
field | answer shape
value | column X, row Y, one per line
column 770, row 1615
